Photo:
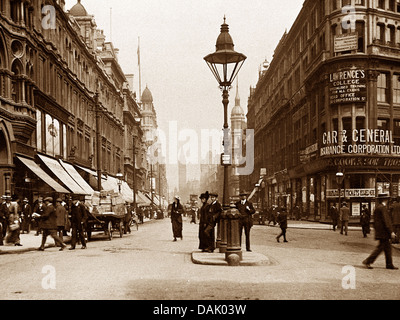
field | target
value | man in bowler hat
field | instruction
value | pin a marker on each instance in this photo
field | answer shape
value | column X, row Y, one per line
column 383, row 233
column 246, row 210
column 49, row 224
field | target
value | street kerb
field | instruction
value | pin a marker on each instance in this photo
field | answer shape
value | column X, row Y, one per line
column 218, row 259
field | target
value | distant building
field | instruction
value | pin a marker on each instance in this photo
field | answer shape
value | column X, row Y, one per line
column 156, row 169
column 238, row 126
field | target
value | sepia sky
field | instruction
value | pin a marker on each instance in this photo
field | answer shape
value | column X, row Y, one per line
column 175, row 36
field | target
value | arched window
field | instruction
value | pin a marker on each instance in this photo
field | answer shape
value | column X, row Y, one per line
column 16, row 92
column 16, row 11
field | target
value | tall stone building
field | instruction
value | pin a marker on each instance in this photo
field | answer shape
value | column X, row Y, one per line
column 156, row 181
column 64, row 102
column 330, row 102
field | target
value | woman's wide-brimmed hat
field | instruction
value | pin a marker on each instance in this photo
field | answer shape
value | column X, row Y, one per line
column 205, row 195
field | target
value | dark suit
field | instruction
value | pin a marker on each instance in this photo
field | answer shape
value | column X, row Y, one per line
column 4, row 214
column 39, row 209
column 213, row 218
column 48, row 222
column 383, row 232
column 283, row 223
column 78, row 218
column 333, row 212
column 27, row 217
column 246, row 211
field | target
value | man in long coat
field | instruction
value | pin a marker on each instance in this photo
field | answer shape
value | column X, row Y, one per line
column 62, row 217
column 344, row 218
column 396, row 220
column 78, row 219
column 214, row 212
column 333, row 212
column 4, row 216
column 246, row 210
column 383, row 233
column 48, row 223
column 26, row 216
column 283, row 223
column 38, row 211
column 365, row 220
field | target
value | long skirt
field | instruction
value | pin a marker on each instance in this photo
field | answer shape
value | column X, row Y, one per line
column 177, row 227
column 13, row 237
column 207, row 237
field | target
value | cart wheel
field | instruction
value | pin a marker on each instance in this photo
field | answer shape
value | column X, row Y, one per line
column 121, row 229
column 109, row 230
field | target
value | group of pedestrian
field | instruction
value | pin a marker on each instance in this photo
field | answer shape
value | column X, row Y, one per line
column 48, row 219
column 387, row 223
column 210, row 215
column 340, row 218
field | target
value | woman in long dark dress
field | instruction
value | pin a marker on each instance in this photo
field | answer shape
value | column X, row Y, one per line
column 203, row 236
column 176, row 218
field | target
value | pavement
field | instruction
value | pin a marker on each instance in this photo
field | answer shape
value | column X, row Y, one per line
column 30, row 242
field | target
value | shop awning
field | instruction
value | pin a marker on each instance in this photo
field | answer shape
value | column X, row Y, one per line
column 111, row 184
column 34, row 167
column 63, row 175
column 255, row 189
column 142, row 200
column 77, row 177
column 155, row 200
column 127, row 192
column 106, row 183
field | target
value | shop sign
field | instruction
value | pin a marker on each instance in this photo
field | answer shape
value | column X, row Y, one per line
column 364, row 162
column 346, row 42
column 359, row 142
column 348, row 86
column 351, row 193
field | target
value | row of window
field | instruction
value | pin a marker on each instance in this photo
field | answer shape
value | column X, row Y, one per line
column 388, row 87
column 390, row 5
column 53, row 138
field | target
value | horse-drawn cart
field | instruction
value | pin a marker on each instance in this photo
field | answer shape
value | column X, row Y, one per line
column 108, row 216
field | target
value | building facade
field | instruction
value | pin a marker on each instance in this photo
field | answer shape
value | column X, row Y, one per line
column 156, row 180
column 329, row 102
column 63, row 97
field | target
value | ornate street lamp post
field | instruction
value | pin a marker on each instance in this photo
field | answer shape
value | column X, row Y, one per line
column 225, row 64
